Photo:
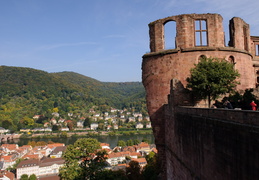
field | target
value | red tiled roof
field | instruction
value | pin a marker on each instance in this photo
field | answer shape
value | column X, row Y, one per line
column 55, row 145
column 143, row 145
column 118, row 154
column 58, row 149
column 154, row 150
column 26, row 147
column 139, row 160
column 8, row 174
column 28, row 163
column 8, row 158
column 135, row 154
column 31, row 156
column 122, row 165
column 104, row 144
column 51, row 161
column 129, row 148
column 10, row 146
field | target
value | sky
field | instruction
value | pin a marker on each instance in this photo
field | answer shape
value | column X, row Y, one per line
column 101, row 39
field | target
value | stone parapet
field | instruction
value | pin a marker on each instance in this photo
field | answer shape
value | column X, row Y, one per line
column 247, row 117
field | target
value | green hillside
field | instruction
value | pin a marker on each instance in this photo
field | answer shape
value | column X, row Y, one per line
column 25, row 92
column 118, row 95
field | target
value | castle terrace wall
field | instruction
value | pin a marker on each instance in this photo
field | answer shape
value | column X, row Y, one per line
column 212, row 144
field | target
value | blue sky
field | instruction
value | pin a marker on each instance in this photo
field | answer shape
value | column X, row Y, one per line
column 101, row 39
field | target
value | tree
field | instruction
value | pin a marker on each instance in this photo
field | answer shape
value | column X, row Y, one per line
column 63, row 134
column 134, row 171
column 24, row 177
column 32, row 143
column 41, row 143
column 152, row 169
column 121, row 143
column 55, row 109
column 243, row 101
column 87, row 122
column 28, row 121
column 70, row 126
column 136, row 141
column 111, row 175
column 146, row 140
column 83, row 159
column 212, row 77
column 130, row 142
column 55, row 127
column 101, row 126
column 6, row 124
column 33, row 177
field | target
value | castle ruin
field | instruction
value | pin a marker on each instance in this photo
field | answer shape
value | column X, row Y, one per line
column 164, row 73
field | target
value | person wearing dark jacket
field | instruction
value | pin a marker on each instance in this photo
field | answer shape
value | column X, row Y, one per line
column 228, row 105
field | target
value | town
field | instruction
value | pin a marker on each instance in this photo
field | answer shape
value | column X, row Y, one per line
column 113, row 119
column 44, row 161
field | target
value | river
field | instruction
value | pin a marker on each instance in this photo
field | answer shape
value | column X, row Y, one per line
column 112, row 140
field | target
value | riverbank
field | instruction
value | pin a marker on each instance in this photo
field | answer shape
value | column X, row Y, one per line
column 112, row 140
column 65, row 134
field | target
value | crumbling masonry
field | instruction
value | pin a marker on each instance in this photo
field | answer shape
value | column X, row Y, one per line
column 164, row 71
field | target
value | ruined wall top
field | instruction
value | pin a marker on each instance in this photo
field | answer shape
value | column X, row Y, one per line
column 239, row 34
column 199, row 30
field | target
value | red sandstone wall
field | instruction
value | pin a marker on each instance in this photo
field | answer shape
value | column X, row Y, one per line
column 158, row 70
column 240, row 32
column 175, row 145
column 160, row 66
column 210, row 144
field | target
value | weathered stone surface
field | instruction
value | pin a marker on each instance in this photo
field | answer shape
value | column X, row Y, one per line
column 212, row 144
column 200, row 143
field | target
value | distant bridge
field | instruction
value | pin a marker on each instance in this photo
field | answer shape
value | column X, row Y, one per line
column 8, row 137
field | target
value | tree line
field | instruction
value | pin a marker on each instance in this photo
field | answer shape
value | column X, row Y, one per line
column 25, row 92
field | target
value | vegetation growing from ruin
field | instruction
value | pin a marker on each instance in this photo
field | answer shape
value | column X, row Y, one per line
column 212, row 77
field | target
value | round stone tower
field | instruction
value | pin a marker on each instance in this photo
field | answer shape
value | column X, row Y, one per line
column 197, row 35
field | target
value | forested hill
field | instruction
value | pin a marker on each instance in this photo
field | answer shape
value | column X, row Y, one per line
column 29, row 91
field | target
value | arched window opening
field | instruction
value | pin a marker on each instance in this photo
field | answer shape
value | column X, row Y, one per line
column 202, row 57
column 170, row 35
column 257, row 78
column 231, row 59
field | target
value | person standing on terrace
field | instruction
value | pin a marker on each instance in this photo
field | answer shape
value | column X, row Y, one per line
column 253, row 105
